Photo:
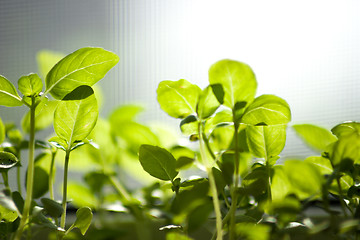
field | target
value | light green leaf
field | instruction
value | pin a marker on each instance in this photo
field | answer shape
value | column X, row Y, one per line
column 7, row 215
column 178, row 98
column 266, row 141
column 30, row 85
column 280, row 184
column 177, row 236
column 316, row 137
column 251, row 231
column 85, row 66
column 237, row 80
column 76, row 115
column 8, row 94
column 189, row 125
column 46, row 59
column 306, row 180
column 2, row 131
column 268, row 110
column 347, row 147
column 82, row 196
column 7, row 161
column 322, row 164
column 158, row 162
column 219, row 119
column 208, row 101
column 346, row 128
column 125, row 113
column 83, row 219
column 44, row 116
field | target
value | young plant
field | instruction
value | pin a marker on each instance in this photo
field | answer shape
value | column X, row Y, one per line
column 71, row 76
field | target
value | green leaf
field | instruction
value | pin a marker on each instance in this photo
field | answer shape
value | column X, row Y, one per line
column 256, row 182
column 2, row 131
column 30, row 85
column 41, row 182
column 83, row 219
column 7, row 215
column 251, row 231
column 316, row 137
column 8, row 94
column 347, row 147
column 208, row 101
column 85, row 66
column 322, row 164
column 46, row 59
column 82, row 196
column 177, row 236
column 178, row 98
column 7, row 161
column 53, row 208
column 237, row 80
column 280, row 184
column 189, row 125
column 220, row 119
column 158, row 162
column 306, row 180
column 76, row 115
column 44, row 116
column 268, row 110
column 266, row 141
column 125, row 113
column 346, row 128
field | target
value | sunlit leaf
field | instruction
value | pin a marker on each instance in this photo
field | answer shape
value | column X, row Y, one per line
column 268, row 110
column 177, row 236
column 8, row 94
column 321, row 163
column 82, row 196
column 158, row 162
column 237, row 80
column 280, row 184
column 316, row 137
column 7, row 215
column 30, row 85
column 251, row 231
column 2, row 131
column 221, row 118
column 266, row 141
column 189, row 125
column 346, row 148
column 76, row 115
column 178, row 98
column 85, row 66
column 46, row 59
column 83, row 219
column 346, row 128
column 125, row 113
column 208, row 101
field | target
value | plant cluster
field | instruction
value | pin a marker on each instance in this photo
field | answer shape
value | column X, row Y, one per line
column 227, row 182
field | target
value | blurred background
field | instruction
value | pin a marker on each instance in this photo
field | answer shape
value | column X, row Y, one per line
column 307, row 52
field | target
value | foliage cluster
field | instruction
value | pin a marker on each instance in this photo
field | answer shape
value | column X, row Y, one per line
column 227, row 182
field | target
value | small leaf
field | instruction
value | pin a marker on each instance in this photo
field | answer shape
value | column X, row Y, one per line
column 7, row 161
column 30, row 85
column 346, row 128
column 76, row 115
column 189, row 125
column 2, row 131
column 85, row 66
column 8, row 94
column 237, row 79
column 44, row 116
column 347, row 147
column 266, row 141
column 83, row 219
column 267, row 109
column 220, row 119
column 53, row 208
column 316, row 137
column 178, row 98
column 208, row 101
column 158, row 162
column 58, row 143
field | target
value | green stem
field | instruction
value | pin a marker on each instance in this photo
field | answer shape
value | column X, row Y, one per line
column 30, row 173
column 234, row 195
column 212, row 182
column 120, row 189
column 66, row 169
column 6, row 180
column 51, row 175
column 18, row 173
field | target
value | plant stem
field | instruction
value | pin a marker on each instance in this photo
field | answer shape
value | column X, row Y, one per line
column 212, row 182
column 18, row 173
column 51, row 175
column 30, row 173
column 234, row 195
column 66, row 168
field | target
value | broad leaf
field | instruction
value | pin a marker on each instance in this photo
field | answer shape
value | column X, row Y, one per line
column 322, row 164
column 189, row 125
column 82, row 196
column 30, row 85
column 8, row 94
column 280, row 184
column 306, row 180
column 83, row 219
column 85, row 66
column 158, row 162
column 178, row 98
column 76, row 115
column 125, row 113
column 2, row 131
column 44, row 116
column 268, row 110
column 7, row 161
column 237, row 80
column 52, row 207
column 46, row 59
column 208, row 101
column 347, row 147
column 316, row 137
column 41, row 182
column 346, row 128
column 266, row 141
column 252, row 231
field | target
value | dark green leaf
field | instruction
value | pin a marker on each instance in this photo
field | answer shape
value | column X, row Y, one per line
column 267, row 109
column 219, row 180
column 237, row 79
column 18, row 200
column 158, row 162
column 316, row 137
column 183, row 162
column 178, row 98
column 30, row 85
column 7, row 161
column 41, row 182
column 53, row 208
column 256, row 182
column 85, row 66
column 199, row 216
column 8, row 94
column 76, row 115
